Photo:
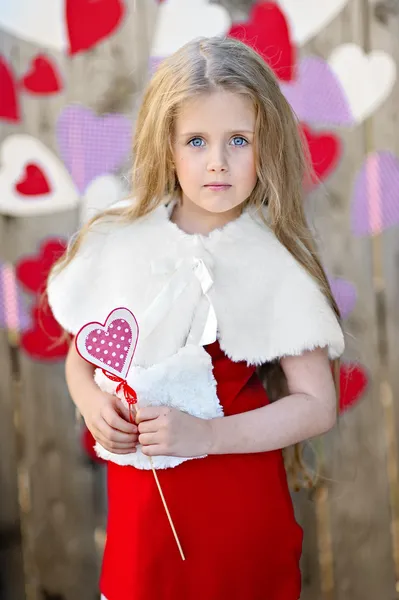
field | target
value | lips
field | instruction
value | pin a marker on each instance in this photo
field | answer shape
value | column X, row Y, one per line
column 217, row 186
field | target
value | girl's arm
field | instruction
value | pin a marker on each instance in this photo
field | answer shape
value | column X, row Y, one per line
column 104, row 414
column 308, row 411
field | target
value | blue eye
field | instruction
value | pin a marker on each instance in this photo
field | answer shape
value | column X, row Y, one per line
column 194, row 143
column 242, row 141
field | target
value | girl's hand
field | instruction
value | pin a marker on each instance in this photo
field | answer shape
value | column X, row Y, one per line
column 170, row 432
column 108, row 421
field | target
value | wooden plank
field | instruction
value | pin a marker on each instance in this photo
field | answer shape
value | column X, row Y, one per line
column 356, row 476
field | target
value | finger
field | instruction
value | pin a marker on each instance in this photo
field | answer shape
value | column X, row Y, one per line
column 147, row 413
column 154, row 450
column 116, row 436
column 148, row 439
column 114, row 420
column 115, row 447
column 148, row 426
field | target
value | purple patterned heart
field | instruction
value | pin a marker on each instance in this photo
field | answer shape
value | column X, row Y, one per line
column 91, row 146
column 110, row 345
column 345, row 295
column 13, row 314
column 317, row 96
column 375, row 199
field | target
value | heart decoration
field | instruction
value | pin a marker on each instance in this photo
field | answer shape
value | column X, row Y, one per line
column 111, row 345
column 267, row 32
column 307, row 17
column 375, row 199
column 9, row 104
column 367, row 79
column 91, row 146
column 69, row 26
column 13, row 314
column 33, row 181
column 32, row 271
column 353, row 385
column 317, row 96
column 90, row 22
column 45, row 340
column 179, row 22
column 42, row 77
column 325, row 151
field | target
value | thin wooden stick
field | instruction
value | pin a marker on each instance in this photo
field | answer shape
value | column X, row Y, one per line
column 161, row 494
column 166, row 509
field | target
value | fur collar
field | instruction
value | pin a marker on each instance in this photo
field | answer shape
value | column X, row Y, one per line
column 265, row 304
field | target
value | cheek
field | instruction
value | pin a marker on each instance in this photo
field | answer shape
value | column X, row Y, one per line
column 186, row 166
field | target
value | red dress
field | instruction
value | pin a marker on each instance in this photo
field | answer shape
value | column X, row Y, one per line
column 233, row 514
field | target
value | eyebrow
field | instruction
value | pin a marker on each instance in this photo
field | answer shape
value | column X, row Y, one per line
column 193, row 133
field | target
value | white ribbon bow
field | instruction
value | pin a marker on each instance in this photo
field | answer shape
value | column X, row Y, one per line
column 205, row 329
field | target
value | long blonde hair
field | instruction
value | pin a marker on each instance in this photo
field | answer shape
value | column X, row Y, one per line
column 203, row 66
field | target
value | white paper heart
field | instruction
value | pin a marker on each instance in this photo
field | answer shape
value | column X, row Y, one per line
column 367, row 79
column 180, row 21
column 110, row 345
column 19, row 153
column 100, row 194
column 41, row 22
column 307, row 17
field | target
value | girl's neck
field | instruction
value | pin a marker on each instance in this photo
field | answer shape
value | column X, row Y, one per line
column 192, row 219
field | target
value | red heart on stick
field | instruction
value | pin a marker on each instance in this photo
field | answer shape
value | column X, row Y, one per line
column 90, row 21
column 42, row 78
column 9, row 106
column 267, row 32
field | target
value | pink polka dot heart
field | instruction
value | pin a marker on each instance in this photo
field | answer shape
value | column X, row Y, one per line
column 110, row 346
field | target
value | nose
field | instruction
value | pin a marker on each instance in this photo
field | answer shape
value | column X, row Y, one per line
column 217, row 162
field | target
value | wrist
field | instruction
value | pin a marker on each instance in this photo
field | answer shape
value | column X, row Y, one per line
column 213, row 435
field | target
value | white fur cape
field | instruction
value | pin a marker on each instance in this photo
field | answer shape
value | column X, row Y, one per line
column 265, row 305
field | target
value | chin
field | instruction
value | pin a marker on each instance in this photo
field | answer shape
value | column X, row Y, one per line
column 219, row 205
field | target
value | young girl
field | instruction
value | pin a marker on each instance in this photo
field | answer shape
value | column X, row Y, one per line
column 215, row 251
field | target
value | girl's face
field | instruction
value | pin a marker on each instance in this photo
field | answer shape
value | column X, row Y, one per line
column 213, row 150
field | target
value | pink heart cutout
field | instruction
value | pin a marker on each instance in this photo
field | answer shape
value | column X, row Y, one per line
column 111, row 345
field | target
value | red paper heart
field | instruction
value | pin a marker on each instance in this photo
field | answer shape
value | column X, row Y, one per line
column 32, row 272
column 9, row 106
column 33, row 182
column 353, row 384
column 267, row 32
column 42, row 78
column 325, row 152
column 89, row 22
column 46, row 339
